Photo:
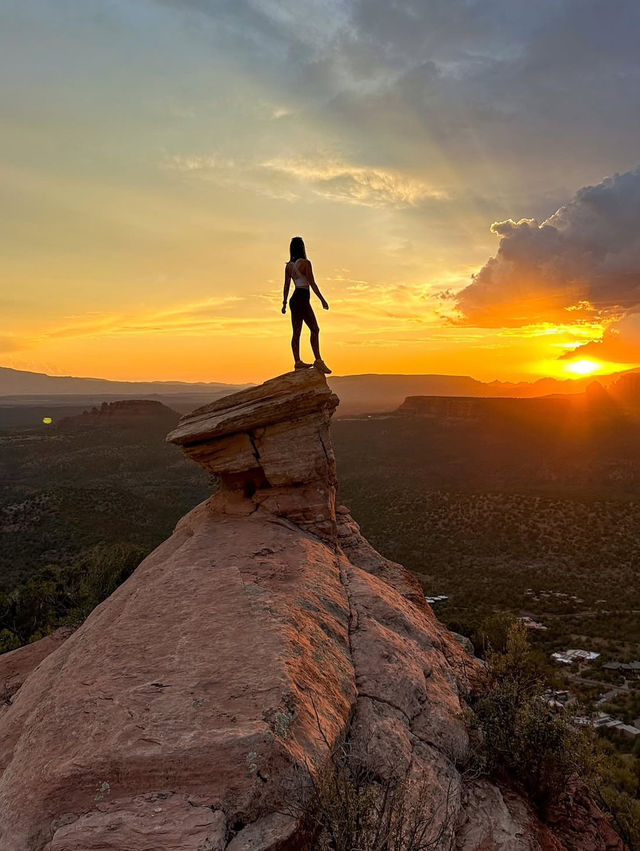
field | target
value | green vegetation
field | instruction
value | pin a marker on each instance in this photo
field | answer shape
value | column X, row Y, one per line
column 63, row 596
column 514, row 552
column 64, row 493
column 624, row 706
column 523, row 516
column 522, row 734
column 526, row 739
column 617, row 789
column 79, row 509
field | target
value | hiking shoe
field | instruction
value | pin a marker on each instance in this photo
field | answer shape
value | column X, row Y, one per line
column 300, row 364
column 321, row 366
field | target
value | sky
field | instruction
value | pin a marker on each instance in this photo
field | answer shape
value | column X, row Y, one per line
column 465, row 174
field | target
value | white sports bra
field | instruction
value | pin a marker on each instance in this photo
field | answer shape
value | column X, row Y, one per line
column 298, row 278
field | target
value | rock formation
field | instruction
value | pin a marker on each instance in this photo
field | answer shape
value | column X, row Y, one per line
column 626, row 391
column 122, row 414
column 270, row 447
column 593, row 404
column 220, row 676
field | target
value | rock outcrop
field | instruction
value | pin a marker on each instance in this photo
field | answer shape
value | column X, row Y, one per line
column 124, row 413
column 595, row 404
column 16, row 665
column 270, row 447
column 194, row 705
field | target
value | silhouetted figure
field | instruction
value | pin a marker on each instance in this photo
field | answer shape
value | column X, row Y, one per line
column 299, row 270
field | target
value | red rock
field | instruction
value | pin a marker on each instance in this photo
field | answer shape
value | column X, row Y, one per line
column 272, row 444
column 148, row 823
column 200, row 676
column 237, row 657
column 493, row 820
column 16, row 665
column 277, row 831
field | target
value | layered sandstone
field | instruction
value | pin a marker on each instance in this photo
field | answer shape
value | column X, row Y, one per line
column 221, row 675
column 270, row 446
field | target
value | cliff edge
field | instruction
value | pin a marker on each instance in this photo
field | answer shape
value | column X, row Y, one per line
column 265, row 633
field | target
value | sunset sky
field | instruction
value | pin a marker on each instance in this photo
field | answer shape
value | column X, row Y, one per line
column 466, row 176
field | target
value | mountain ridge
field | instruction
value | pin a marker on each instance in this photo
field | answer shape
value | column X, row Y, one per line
column 17, row 382
column 359, row 393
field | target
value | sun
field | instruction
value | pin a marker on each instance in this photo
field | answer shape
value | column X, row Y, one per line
column 584, row 367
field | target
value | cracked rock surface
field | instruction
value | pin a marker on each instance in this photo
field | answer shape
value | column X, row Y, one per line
column 256, row 639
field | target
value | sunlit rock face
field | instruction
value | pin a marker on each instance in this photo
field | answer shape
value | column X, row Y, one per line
column 193, row 708
column 270, row 445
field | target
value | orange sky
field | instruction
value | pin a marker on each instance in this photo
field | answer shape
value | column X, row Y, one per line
column 156, row 161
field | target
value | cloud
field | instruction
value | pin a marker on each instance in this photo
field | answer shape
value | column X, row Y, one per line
column 620, row 343
column 338, row 180
column 328, row 177
column 582, row 263
column 236, row 173
column 471, row 89
column 200, row 317
column 364, row 112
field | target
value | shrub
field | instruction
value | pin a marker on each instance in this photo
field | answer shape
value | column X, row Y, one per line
column 522, row 735
column 8, row 641
column 525, row 739
column 493, row 633
column 349, row 806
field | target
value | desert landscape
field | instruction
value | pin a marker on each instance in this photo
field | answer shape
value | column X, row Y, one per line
column 319, row 425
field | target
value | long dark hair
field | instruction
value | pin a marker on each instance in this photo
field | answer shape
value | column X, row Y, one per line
column 297, row 249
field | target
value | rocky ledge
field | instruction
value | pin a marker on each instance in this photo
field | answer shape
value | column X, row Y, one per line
column 196, row 707
column 270, row 446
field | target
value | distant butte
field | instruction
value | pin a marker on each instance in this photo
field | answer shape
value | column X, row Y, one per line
column 122, row 413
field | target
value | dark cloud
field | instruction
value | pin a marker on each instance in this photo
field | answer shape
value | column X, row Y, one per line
column 505, row 92
column 507, row 101
column 582, row 262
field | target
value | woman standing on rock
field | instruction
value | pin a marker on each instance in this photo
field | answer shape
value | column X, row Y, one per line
column 299, row 269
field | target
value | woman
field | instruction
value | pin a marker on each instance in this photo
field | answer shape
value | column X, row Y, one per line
column 299, row 269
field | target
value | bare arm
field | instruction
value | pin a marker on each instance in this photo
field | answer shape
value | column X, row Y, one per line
column 287, row 284
column 314, row 286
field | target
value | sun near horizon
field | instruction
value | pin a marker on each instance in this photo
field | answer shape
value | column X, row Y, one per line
column 565, row 371
column 235, row 348
column 158, row 159
column 585, row 367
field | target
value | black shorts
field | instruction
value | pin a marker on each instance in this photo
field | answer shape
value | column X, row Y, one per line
column 301, row 310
